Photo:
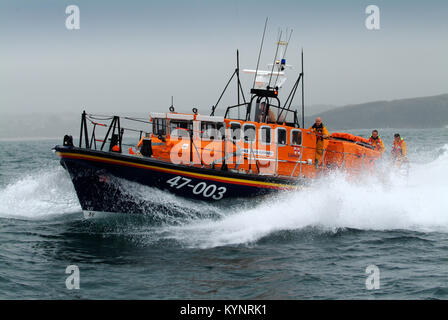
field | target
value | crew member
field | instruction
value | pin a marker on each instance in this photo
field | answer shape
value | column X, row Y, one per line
column 375, row 140
column 321, row 133
column 147, row 136
column 270, row 117
column 399, row 150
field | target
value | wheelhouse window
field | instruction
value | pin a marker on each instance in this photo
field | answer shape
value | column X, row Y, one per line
column 212, row 130
column 281, row 136
column 265, row 135
column 159, row 127
column 249, row 133
column 221, row 129
column 180, row 128
column 235, row 131
column 296, row 137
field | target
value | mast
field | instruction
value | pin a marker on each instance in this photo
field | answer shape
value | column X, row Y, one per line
column 238, row 85
column 238, row 78
column 275, row 58
column 303, row 95
column 238, row 74
column 259, row 54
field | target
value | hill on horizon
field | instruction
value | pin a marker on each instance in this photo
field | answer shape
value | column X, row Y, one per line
column 422, row 112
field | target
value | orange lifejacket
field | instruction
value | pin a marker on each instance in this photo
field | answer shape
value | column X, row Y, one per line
column 377, row 143
column 397, row 149
column 318, row 130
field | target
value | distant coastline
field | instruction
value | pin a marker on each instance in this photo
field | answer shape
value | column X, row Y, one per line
column 413, row 113
column 418, row 113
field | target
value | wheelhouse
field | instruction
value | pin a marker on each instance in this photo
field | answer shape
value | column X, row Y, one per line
column 264, row 107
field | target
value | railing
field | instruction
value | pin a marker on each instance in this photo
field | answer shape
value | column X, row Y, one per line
column 252, row 159
column 280, row 110
column 322, row 166
column 116, row 131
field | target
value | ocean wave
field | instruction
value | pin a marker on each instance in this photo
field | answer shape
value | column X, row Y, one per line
column 390, row 201
column 44, row 193
column 416, row 201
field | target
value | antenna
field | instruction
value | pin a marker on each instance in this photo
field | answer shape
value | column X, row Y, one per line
column 238, row 84
column 259, row 54
column 292, row 94
column 239, row 87
column 303, row 95
column 281, row 67
column 238, row 75
column 275, row 58
column 238, row 78
column 287, row 44
column 172, row 105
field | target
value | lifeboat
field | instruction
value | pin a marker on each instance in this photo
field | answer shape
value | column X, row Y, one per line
column 255, row 147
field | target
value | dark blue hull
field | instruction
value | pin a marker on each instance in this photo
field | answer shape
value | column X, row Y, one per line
column 100, row 180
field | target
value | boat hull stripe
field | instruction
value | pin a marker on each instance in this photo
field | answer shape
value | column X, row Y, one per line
column 259, row 184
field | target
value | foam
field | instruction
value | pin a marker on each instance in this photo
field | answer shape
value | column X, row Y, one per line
column 46, row 192
column 417, row 202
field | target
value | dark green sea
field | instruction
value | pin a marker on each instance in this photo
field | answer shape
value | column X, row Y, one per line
column 311, row 244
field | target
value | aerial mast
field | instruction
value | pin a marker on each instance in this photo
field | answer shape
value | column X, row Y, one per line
column 303, row 95
column 259, row 54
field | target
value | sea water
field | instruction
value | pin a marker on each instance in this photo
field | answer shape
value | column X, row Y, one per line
column 321, row 242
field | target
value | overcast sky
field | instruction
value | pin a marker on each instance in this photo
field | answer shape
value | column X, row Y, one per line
column 134, row 55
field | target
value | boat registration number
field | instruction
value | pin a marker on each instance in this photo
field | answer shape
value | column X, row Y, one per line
column 202, row 188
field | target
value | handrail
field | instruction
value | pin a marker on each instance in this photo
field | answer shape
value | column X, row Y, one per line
column 224, row 138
